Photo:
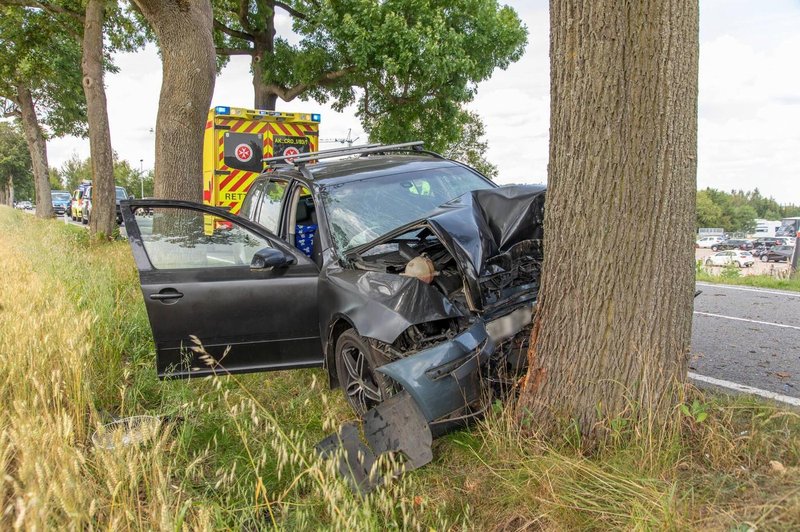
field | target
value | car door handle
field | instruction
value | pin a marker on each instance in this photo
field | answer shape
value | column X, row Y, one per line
column 166, row 294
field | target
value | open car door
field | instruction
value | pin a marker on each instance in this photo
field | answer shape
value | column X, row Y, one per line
column 250, row 298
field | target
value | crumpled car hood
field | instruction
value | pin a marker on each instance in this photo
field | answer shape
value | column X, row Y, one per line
column 486, row 223
column 483, row 227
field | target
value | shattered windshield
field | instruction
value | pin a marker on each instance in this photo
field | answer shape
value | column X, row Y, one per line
column 361, row 211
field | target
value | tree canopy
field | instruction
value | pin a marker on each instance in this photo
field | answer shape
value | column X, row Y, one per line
column 37, row 50
column 15, row 162
column 737, row 210
column 75, row 170
column 409, row 66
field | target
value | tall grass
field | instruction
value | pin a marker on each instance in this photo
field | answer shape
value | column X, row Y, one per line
column 237, row 452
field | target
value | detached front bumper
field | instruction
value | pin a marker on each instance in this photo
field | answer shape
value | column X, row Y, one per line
column 446, row 378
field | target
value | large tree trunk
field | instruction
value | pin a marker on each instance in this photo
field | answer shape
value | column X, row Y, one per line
column 103, row 216
column 263, row 46
column 184, row 32
column 38, row 150
column 613, row 325
column 264, row 98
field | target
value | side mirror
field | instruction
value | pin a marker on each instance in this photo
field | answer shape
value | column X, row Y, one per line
column 270, row 258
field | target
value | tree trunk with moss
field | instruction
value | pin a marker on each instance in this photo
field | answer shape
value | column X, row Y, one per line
column 613, row 325
column 183, row 29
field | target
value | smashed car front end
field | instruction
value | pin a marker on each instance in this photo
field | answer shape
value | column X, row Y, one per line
column 480, row 256
column 446, row 305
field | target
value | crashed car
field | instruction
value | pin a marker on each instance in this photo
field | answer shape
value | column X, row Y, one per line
column 403, row 273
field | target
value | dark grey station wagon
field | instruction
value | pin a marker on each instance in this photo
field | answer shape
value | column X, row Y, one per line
column 398, row 270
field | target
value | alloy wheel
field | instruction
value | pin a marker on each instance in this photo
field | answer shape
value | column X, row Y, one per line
column 363, row 392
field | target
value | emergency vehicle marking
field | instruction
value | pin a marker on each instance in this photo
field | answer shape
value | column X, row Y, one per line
column 243, row 152
column 227, row 186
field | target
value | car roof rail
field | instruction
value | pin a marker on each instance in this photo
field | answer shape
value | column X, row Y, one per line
column 362, row 150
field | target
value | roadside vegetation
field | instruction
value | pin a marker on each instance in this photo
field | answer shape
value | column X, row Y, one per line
column 732, row 275
column 237, row 452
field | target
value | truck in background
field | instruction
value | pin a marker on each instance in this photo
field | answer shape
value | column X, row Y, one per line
column 767, row 227
column 790, row 227
column 237, row 141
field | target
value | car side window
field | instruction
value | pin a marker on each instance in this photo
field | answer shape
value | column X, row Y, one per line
column 269, row 212
column 250, row 202
column 182, row 238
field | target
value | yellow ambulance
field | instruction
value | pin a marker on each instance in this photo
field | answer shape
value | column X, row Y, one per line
column 237, row 140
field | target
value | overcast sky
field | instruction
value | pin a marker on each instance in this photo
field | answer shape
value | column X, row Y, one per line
column 749, row 122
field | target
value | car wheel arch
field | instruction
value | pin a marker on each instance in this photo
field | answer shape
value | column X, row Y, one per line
column 337, row 326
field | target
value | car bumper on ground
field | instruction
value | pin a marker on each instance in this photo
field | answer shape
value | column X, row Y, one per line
column 446, row 378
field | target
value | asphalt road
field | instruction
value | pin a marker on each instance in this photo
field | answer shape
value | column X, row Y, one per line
column 68, row 220
column 748, row 336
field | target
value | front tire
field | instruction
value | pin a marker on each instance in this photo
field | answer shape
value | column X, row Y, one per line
column 363, row 387
column 714, row 248
column 764, row 258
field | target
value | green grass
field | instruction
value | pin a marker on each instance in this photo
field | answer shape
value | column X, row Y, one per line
column 759, row 281
column 75, row 348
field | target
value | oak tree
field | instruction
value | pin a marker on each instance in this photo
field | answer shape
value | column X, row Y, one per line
column 183, row 29
column 614, row 317
column 15, row 165
column 408, row 65
column 40, row 85
column 101, row 27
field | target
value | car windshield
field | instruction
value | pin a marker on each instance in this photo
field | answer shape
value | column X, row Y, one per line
column 361, row 211
column 61, row 196
column 121, row 194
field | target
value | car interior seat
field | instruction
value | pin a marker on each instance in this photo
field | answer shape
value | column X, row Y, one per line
column 305, row 226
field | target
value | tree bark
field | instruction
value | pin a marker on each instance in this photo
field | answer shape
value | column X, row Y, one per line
column 7, row 192
column 103, row 216
column 613, row 325
column 38, row 150
column 264, row 97
column 183, row 29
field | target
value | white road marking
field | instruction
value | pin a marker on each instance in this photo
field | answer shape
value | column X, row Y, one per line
column 795, row 327
column 794, row 401
column 744, row 289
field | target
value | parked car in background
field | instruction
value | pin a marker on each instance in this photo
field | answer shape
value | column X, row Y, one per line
column 778, row 254
column 742, row 259
column 120, row 195
column 24, row 205
column 744, row 245
column 708, row 241
column 767, row 241
column 61, row 200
